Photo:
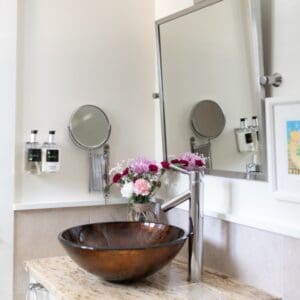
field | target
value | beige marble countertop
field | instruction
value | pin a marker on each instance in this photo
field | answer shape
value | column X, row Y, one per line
column 66, row 281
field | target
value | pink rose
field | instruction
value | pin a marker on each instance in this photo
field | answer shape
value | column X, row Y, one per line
column 142, row 187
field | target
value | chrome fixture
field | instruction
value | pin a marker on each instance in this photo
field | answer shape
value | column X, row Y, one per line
column 253, row 166
column 90, row 129
column 33, row 290
column 196, row 219
column 207, row 121
column 155, row 95
column 274, row 80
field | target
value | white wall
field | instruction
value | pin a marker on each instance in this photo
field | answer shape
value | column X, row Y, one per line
column 79, row 52
column 8, row 38
column 167, row 7
column 248, row 202
column 284, row 29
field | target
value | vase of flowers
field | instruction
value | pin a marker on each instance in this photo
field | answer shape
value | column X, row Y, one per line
column 139, row 182
column 189, row 161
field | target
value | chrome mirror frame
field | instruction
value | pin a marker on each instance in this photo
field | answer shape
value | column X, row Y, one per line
column 78, row 143
column 95, row 158
column 258, row 65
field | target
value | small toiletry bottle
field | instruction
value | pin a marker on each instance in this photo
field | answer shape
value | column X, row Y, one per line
column 255, row 132
column 244, row 137
column 51, row 155
column 33, row 154
column 255, row 126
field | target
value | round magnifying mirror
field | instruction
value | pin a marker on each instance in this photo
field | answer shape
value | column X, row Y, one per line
column 207, row 119
column 89, row 127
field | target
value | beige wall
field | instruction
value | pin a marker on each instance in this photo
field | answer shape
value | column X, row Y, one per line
column 77, row 52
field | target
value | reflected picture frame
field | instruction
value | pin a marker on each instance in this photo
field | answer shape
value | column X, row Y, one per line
column 283, row 138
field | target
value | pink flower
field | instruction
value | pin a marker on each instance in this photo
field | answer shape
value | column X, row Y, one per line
column 199, row 163
column 191, row 161
column 165, row 165
column 175, row 161
column 125, row 172
column 153, row 168
column 117, row 178
column 184, row 162
column 141, row 165
column 142, row 187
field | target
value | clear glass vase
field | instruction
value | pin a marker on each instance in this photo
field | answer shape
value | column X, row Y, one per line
column 143, row 212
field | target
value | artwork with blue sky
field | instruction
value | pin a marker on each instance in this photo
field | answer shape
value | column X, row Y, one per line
column 293, row 141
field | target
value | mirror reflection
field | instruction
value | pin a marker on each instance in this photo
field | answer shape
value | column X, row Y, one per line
column 210, row 87
column 89, row 127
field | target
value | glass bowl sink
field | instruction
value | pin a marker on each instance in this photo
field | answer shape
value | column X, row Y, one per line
column 123, row 251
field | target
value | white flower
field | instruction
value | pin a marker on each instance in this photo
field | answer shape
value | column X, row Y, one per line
column 127, row 189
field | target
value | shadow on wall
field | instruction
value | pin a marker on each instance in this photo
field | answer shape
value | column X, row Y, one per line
column 217, row 253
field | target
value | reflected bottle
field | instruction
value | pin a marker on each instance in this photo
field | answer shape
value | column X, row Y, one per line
column 255, row 132
column 51, row 155
column 33, row 155
column 244, row 137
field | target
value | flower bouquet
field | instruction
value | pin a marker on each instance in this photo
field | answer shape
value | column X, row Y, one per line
column 189, row 161
column 139, row 181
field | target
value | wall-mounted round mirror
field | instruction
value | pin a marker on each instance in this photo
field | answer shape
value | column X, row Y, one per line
column 207, row 119
column 89, row 127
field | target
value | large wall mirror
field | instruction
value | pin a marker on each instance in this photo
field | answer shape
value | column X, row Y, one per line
column 210, row 63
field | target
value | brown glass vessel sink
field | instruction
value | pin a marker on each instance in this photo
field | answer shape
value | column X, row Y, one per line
column 123, row 251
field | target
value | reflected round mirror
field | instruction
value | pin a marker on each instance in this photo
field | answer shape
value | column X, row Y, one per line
column 207, row 119
column 89, row 127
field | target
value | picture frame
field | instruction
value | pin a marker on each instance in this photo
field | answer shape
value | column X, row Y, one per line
column 283, row 140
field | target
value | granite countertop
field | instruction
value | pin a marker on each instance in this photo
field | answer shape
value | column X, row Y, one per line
column 66, row 281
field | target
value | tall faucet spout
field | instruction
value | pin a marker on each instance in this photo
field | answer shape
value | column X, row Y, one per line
column 196, row 220
column 196, row 216
column 176, row 201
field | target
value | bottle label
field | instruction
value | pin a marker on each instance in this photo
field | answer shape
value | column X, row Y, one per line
column 52, row 156
column 34, row 155
column 248, row 138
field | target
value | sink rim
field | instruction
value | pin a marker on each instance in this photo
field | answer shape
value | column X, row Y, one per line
column 185, row 236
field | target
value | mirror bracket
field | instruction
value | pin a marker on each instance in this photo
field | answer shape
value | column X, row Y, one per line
column 105, row 175
column 99, row 171
column 98, row 160
column 155, row 95
column 274, row 80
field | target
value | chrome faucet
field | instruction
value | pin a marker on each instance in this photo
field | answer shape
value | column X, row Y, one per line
column 196, row 219
column 252, row 167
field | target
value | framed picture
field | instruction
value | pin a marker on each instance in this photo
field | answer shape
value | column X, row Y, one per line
column 283, row 140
